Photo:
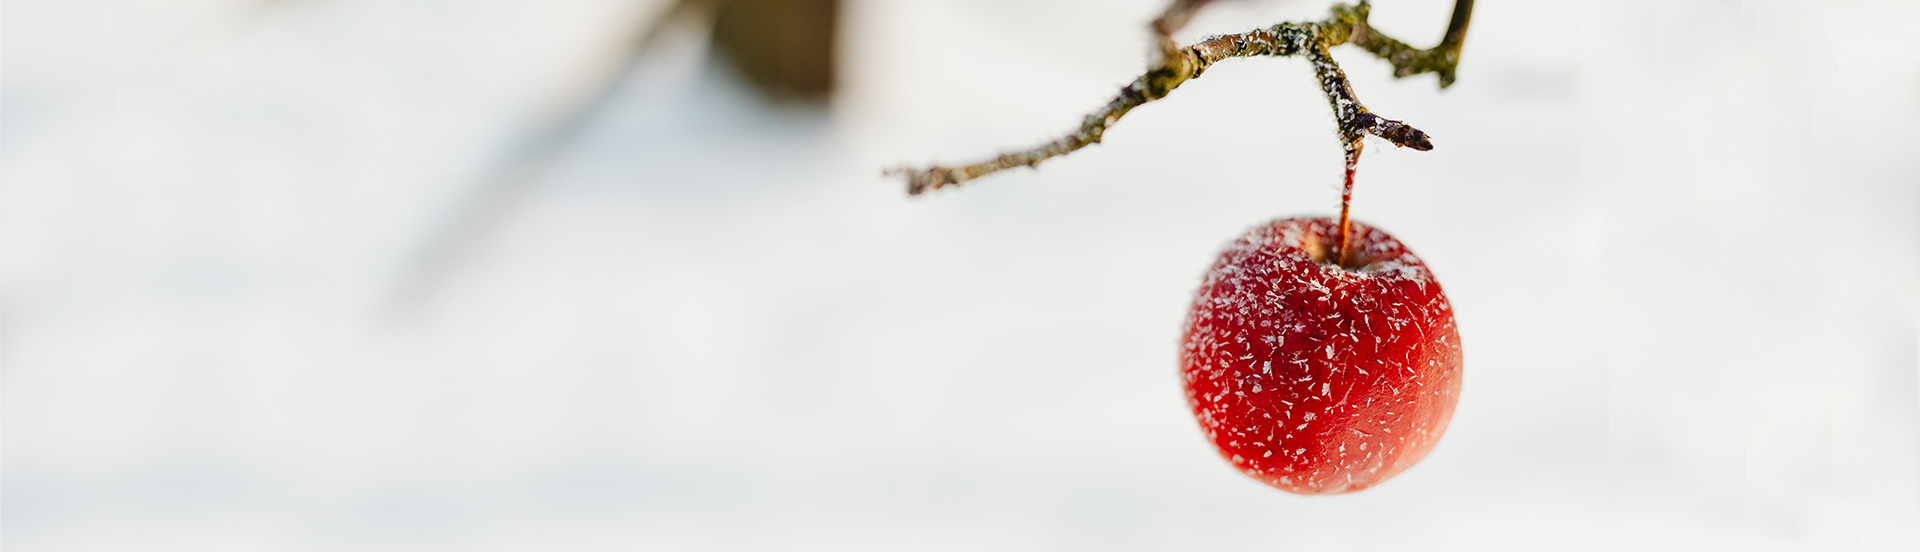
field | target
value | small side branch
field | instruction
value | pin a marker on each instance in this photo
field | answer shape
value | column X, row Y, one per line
column 1409, row 61
column 1355, row 121
column 1173, row 66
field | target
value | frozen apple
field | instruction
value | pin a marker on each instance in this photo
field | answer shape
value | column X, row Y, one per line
column 1314, row 375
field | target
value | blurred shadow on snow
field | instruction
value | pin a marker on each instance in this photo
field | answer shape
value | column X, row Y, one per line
column 784, row 49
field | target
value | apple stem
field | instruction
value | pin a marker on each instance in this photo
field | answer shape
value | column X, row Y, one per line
column 1344, row 258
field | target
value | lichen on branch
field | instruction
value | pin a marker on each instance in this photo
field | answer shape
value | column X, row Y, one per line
column 1173, row 65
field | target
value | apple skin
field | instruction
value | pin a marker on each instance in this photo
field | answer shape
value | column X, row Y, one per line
column 1314, row 378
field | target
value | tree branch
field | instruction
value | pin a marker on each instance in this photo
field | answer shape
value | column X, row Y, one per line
column 1173, row 66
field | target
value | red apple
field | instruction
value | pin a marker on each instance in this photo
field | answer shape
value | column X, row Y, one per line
column 1314, row 377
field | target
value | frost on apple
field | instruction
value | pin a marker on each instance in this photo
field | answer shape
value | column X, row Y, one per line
column 1314, row 377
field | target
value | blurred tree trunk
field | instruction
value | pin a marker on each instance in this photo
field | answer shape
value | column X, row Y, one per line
column 785, row 47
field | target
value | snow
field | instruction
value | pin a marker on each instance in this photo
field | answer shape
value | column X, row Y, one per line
column 1683, row 259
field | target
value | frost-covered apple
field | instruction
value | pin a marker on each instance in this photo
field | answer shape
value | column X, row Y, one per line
column 1314, row 376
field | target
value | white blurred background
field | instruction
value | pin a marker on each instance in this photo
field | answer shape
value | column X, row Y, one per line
column 1683, row 239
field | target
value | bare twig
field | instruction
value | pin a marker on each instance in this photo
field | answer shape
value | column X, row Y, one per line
column 1176, row 16
column 1409, row 61
column 1178, row 13
column 1173, row 66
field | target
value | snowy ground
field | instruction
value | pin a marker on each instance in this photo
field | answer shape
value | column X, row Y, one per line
column 1683, row 239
